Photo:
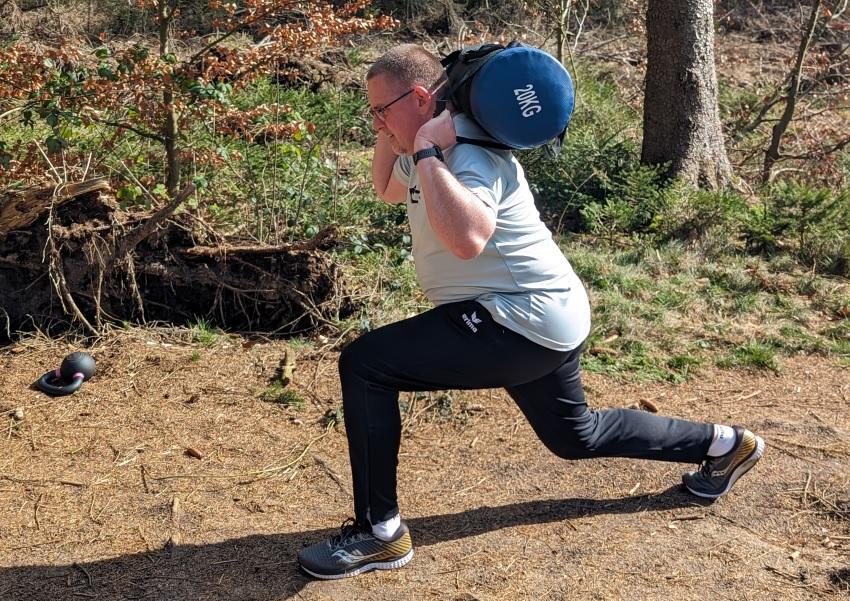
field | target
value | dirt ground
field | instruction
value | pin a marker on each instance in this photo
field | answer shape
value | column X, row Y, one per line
column 168, row 477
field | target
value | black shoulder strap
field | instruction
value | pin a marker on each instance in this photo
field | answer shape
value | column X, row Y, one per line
column 480, row 54
column 456, row 85
column 485, row 143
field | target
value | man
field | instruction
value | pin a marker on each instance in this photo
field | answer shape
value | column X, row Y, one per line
column 510, row 313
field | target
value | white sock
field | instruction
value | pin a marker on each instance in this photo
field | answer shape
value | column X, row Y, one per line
column 387, row 529
column 724, row 440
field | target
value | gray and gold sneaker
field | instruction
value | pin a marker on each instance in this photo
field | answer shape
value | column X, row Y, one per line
column 716, row 475
column 355, row 550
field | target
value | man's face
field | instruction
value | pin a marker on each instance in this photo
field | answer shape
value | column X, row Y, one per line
column 397, row 111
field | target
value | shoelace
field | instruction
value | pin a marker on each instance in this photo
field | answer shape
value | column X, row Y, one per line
column 705, row 467
column 348, row 532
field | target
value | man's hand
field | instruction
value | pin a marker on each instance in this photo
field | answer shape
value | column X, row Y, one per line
column 384, row 140
column 438, row 131
column 386, row 186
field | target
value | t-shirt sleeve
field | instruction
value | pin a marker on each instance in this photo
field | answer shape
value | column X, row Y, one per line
column 478, row 169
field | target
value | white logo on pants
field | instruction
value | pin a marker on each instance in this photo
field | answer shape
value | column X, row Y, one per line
column 472, row 321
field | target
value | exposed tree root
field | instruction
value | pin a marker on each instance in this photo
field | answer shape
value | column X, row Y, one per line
column 79, row 259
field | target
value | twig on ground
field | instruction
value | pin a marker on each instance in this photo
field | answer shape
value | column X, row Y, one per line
column 46, row 482
column 144, row 479
column 334, row 476
column 35, row 513
column 468, row 488
column 806, row 489
column 84, row 571
column 792, row 454
column 826, row 450
column 256, row 475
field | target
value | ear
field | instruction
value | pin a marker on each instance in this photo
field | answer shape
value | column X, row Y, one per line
column 424, row 99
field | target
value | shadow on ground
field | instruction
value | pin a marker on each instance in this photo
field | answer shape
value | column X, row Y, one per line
column 263, row 566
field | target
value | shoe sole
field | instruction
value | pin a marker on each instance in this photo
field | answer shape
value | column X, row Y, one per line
column 739, row 471
column 380, row 565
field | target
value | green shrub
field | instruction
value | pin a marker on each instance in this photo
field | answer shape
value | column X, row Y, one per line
column 600, row 158
column 710, row 220
column 290, row 188
column 583, row 173
column 628, row 202
column 813, row 223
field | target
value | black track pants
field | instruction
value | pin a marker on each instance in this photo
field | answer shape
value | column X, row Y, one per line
column 459, row 346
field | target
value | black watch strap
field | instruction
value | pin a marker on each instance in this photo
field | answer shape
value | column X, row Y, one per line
column 434, row 151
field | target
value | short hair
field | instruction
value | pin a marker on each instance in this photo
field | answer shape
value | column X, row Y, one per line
column 408, row 64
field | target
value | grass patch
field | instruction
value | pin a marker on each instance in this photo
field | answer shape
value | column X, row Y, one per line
column 204, row 333
column 753, row 355
column 683, row 366
column 664, row 313
column 277, row 393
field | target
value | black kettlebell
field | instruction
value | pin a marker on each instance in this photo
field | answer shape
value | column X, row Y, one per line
column 76, row 368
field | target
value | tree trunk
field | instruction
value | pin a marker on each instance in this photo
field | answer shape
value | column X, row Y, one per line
column 19, row 209
column 170, row 132
column 681, row 120
column 561, row 30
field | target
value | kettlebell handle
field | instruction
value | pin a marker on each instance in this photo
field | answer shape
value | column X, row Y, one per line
column 76, row 368
column 53, row 384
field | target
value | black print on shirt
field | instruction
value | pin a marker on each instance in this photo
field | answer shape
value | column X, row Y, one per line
column 415, row 195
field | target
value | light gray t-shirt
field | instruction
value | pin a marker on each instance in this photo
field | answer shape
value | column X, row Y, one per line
column 521, row 277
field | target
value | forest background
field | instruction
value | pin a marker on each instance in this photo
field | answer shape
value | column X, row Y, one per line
column 262, row 108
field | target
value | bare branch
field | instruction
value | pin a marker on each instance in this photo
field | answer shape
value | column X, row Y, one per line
column 148, row 227
column 772, row 153
column 127, row 126
column 837, row 147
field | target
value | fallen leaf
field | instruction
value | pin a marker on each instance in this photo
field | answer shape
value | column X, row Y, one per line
column 649, row 405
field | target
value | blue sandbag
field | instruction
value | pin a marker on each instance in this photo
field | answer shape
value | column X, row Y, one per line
column 521, row 96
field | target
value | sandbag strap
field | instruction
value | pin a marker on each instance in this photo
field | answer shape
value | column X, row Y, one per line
column 485, row 143
column 553, row 149
column 470, row 56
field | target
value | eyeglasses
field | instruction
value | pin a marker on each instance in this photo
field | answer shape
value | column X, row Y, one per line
column 381, row 111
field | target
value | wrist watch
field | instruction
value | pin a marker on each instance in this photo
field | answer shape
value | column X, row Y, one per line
column 434, row 151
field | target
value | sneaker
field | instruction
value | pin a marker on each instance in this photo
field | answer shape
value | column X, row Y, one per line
column 716, row 475
column 355, row 550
